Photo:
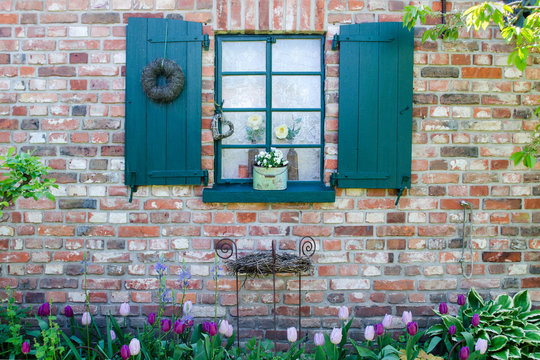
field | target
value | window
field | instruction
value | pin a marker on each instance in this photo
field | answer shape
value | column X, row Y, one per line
column 271, row 88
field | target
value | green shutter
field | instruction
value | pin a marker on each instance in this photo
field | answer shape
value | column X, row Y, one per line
column 375, row 106
column 163, row 141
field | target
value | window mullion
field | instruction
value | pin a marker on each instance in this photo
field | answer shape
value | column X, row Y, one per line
column 268, row 93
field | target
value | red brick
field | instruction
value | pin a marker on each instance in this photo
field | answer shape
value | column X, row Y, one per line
column 394, row 285
column 138, row 231
column 481, row 72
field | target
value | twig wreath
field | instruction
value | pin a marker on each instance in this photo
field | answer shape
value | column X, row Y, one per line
column 173, row 74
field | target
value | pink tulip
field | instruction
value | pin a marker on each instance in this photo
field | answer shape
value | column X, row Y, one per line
column 343, row 313
column 387, row 321
column 134, row 347
column 369, row 333
column 230, row 331
column 319, row 339
column 125, row 309
column 113, row 335
column 292, row 335
column 336, row 336
column 481, row 345
column 223, row 327
column 406, row 318
column 86, row 319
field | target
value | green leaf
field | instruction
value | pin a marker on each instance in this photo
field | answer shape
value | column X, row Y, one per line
column 432, row 344
column 475, row 300
column 501, row 355
column 71, row 346
column 319, row 353
column 522, row 301
column 529, row 161
column 517, row 157
column 514, row 353
column 363, row 352
column 497, row 343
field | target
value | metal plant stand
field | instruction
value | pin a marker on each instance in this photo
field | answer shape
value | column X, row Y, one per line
column 226, row 248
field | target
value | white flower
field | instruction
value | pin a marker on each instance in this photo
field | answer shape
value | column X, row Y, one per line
column 254, row 122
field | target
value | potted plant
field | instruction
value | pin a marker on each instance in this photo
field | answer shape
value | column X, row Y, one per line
column 270, row 171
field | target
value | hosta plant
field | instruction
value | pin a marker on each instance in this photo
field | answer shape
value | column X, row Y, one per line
column 510, row 327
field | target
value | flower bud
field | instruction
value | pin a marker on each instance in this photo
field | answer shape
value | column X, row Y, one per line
column 443, row 308
column 412, row 328
column 25, row 347
column 186, row 308
column 134, row 347
column 379, row 329
column 336, row 336
column 461, row 299
column 44, row 310
column 319, row 339
column 179, row 327
column 387, row 321
column 369, row 332
column 152, row 318
column 113, row 335
column 230, row 331
column 464, row 353
column 343, row 313
column 68, row 311
column 292, row 335
column 475, row 321
column 481, row 345
column 86, row 319
column 124, row 352
column 165, row 325
column 125, row 309
column 210, row 328
column 452, row 330
column 406, row 317
column 223, row 327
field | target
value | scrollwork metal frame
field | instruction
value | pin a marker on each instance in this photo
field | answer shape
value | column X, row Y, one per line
column 225, row 249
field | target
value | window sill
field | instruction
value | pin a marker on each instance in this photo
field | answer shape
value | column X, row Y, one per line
column 244, row 193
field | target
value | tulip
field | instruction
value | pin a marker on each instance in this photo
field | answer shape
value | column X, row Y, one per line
column 336, row 336
column 44, row 310
column 369, row 333
column 464, row 353
column 481, row 345
column 223, row 327
column 412, row 328
column 186, row 308
column 68, row 311
column 86, row 319
column 113, row 335
column 125, row 309
column 452, row 330
column 230, row 331
column 379, row 329
column 134, row 347
column 461, row 299
column 124, row 352
column 319, row 339
column 292, row 335
column 387, row 321
column 443, row 308
column 179, row 327
column 210, row 328
column 343, row 313
column 406, row 318
column 152, row 318
column 165, row 325
column 25, row 347
column 475, row 320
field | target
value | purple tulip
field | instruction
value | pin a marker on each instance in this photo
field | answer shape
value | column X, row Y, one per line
column 68, row 311
column 124, row 352
column 179, row 327
column 464, row 353
column 152, row 318
column 210, row 328
column 412, row 328
column 475, row 320
column 25, row 347
column 379, row 329
column 452, row 330
column 443, row 308
column 44, row 310
column 461, row 299
column 165, row 325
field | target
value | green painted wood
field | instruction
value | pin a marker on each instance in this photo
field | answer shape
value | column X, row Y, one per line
column 163, row 141
column 244, row 193
column 375, row 133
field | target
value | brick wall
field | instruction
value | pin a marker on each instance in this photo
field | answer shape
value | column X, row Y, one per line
column 61, row 75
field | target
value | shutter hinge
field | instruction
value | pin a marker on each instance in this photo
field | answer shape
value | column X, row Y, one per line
column 205, row 177
column 333, row 179
column 133, row 186
column 206, row 42
column 404, row 184
column 335, row 42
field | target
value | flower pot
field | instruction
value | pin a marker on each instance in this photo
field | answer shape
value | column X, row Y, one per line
column 269, row 178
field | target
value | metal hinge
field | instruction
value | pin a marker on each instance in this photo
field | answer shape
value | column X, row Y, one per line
column 404, row 184
column 358, row 38
column 204, row 39
column 133, row 187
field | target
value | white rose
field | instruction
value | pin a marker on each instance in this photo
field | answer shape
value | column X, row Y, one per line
column 255, row 122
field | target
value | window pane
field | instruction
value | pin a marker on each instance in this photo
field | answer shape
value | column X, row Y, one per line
column 243, row 56
column 296, row 91
column 296, row 55
column 249, row 128
column 243, row 91
column 296, row 127
column 237, row 163
column 309, row 163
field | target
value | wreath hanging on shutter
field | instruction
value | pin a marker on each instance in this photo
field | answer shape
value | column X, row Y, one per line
column 174, row 77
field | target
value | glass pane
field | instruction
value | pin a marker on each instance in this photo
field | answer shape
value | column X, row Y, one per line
column 296, row 127
column 308, row 164
column 243, row 91
column 237, row 163
column 296, row 55
column 249, row 128
column 243, row 56
column 296, row 91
